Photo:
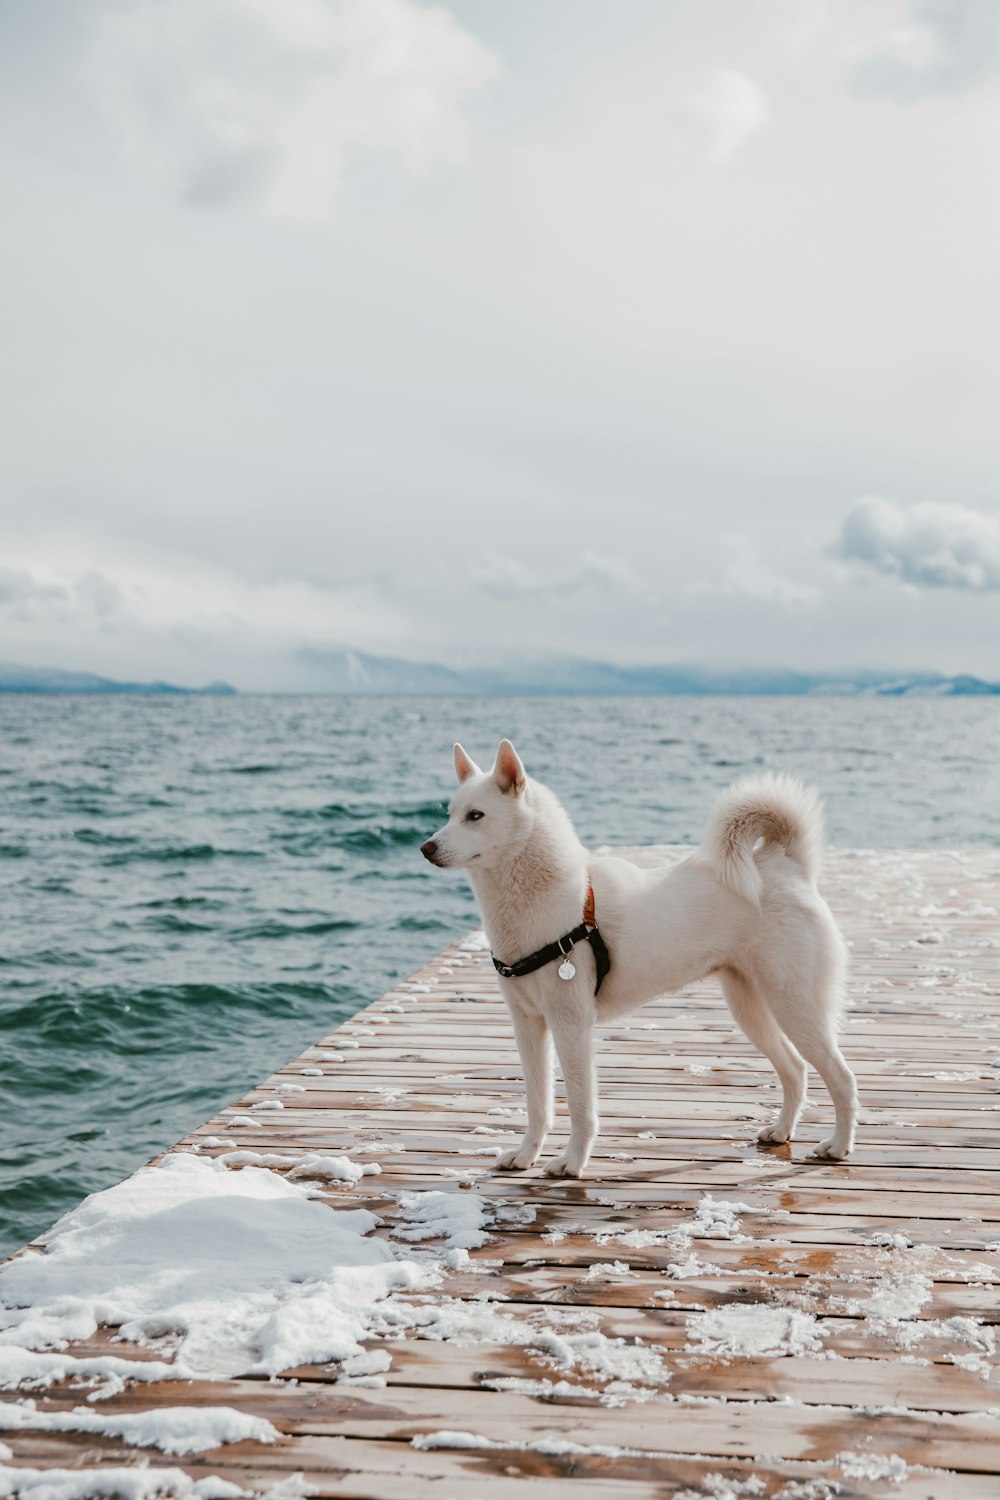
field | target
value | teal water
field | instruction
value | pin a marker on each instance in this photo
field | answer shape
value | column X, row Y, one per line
column 192, row 890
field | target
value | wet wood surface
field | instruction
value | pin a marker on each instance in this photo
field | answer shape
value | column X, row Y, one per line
column 427, row 1083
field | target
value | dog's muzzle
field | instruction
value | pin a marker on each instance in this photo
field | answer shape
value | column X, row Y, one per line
column 430, row 851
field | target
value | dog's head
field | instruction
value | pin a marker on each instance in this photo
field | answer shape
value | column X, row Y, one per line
column 489, row 819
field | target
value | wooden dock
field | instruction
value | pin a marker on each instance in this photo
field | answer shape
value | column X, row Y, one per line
column 686, row 1242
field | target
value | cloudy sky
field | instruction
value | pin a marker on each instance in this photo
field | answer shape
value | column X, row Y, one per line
column 659, row 331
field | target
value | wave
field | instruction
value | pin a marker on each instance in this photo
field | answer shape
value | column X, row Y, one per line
column 183, row 902
column 103, row 840
column 382, row 837
column 361, row 812
column 274, row 929
column 171, row 921
column 87, row 1018
column 181, row 852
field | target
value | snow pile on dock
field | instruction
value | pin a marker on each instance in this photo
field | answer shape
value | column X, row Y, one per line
column 241, row 1272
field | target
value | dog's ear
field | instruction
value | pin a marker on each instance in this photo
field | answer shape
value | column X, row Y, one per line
column 465, row 766
column 508, row 770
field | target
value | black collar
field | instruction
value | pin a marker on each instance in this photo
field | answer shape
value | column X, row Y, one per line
column 587, row 931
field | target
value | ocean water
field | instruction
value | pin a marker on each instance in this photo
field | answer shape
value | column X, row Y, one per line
column 194, row 889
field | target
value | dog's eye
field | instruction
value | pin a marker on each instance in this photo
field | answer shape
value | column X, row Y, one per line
column 473, row 815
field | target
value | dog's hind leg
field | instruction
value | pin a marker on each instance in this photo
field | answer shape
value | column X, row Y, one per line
column 573, row 1035
column 813, row 1032
column 756, row 1022
column 535, row 1047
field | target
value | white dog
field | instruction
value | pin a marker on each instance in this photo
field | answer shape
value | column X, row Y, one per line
column 743, row 906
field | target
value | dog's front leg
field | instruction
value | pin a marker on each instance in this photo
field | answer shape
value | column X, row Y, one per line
column 573, row 1034
column 535, row 1046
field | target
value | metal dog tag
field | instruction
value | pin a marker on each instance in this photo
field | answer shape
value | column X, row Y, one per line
column 566, row 969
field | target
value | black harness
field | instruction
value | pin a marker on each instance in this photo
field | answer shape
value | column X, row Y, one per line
column 586, row 932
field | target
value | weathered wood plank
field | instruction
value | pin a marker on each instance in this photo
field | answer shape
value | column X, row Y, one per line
column 814, row 1433
column 371, row 1469
column 788, row 1431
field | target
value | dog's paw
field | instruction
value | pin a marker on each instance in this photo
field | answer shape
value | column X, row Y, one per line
column 774, row 1135
column 566, row 1164
column 832, row 1149
column 517, row 1159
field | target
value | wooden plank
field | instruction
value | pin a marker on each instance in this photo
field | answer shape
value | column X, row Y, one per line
column 891, row 1141
column 788, row 1431
column 810, row 1382
column 440, row 1146
column 403, row 1105
column 367, row 1468
column 977, row 1214
column 766, row 1171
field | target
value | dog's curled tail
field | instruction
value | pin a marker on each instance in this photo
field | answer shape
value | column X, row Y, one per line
column 777, row 809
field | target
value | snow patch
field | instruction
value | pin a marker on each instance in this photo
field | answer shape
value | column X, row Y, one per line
column 117, row 1484
column 608, row 1270
column 715, row 1219
column 549, row 1444
column 247, row 1158
column 28, row 1369
column 333, row 1169
column 301, row 1283
column 873, row 1466
column 723, row 1487
column 754, row 1328
column 890, row 1309
column 691, row 1267
column 446, row 1438
column 457, row 1218
column 569, row 1339
column 173, row 1429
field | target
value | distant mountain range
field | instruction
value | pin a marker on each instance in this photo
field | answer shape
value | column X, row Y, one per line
column 342, row 671
column 356, row 672
column 14, row 679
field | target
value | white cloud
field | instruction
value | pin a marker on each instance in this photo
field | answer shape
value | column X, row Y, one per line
column 100, row 595
column 936, row 546
column 939, row 47
column 265, row 101
column 141, row 612
column 748, row 574
column 644, row 321
column 22, row 594
column 600, row 578
column 732, row 107
column 41, row 596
